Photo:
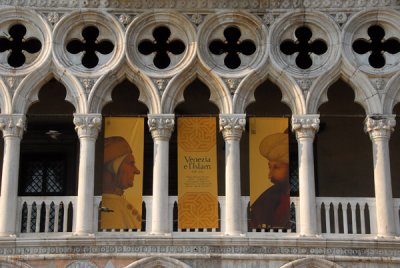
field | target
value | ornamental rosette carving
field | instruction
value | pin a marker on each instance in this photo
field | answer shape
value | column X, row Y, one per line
column 232, row 125
column 161, row 126
column 305, row 126
column 87, row 125
column 12, row 125
column 379, row 126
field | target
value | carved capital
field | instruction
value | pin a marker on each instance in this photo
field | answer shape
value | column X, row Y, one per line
column 12, row 125
column 305, row 126
column 87, row 125
column 379, row 126
column 232, row 125
column 161, row 125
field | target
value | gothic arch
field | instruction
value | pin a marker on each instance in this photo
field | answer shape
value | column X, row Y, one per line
column 27, row 91
column 13, row 264
column 392, row 96
column 151, row 262
column 173, row 94
column 311, row 262
column 291, row 93
column 5, row 99
column 365, row 93
column 100, row 95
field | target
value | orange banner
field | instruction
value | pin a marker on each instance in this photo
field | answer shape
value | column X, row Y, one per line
column 269, row 173
column 197, row 173
column 122, row 173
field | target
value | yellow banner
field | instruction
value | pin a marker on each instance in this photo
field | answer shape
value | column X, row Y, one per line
column 197, row 173
column 122, row 173
column 269, row 173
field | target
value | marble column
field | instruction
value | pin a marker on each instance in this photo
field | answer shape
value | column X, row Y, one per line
column 87, row 126
column 232, row 126
column 12, row 126
column 161, row 127
column 305, row 127
column 379, row 128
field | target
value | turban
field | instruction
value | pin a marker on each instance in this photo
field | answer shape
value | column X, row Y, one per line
column 115, row 147
column 275, row 147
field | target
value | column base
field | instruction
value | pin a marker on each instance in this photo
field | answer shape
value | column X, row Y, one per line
column 235, row 234
column 5, row 235
column 160, row 234
column 83, row 234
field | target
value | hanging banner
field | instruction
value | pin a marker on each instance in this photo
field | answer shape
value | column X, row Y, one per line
column 197, row 173
column 122, row 173
column 269, row 173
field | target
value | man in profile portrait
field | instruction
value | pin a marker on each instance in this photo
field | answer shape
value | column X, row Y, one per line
column 272, row 208
column 118, row 175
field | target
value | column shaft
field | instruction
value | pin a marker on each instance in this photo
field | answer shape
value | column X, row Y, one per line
column 12, row 127
column 161, row 127
column 305, row 127
column 379, row 130
column 87, row 127
column 232, row 127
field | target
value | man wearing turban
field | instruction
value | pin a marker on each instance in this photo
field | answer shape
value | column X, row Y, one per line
column 118, row 175
column 272, row 208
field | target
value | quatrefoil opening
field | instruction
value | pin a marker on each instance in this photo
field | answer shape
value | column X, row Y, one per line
column 89, row 46
column 232, row 46
column 377, row 45
column 161, row 46
column 16, row 44
column 304, row 46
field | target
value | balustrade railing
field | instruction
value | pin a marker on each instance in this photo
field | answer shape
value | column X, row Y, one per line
column 335, row 216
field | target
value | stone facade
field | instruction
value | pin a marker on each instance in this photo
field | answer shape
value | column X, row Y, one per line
column 341, row 40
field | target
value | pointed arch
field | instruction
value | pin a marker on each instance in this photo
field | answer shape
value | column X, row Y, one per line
column 13, row 264
column 291, row 93
column 392, row 96
column 365, row 93
column 5, row 99
column 311, row 262
column 101, row 92
column 173, row 94
column 27, row 91
column 151, row 262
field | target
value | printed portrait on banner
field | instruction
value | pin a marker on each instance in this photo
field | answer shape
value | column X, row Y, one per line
column 122, row 173
column 269, row 173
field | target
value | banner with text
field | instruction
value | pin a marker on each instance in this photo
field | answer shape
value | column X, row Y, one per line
column 269, row 173
column 122, row 173
column 197, row 173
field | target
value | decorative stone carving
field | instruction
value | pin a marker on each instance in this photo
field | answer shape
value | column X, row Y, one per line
column 231, row 43
column 161, row 125
column 305, row 126
column 161, row 44
column 125, row 19
column 88, row 84
column 305, row 84
column 53, row 17
column 379, row 83
column 161, row 84
column 379, row 126
column 186, row 4
column 12, row 125
column 196, row 19
column 317, row 32
column 81, row 264
column 232, row 125
column 87, row 125
column 232, row 84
